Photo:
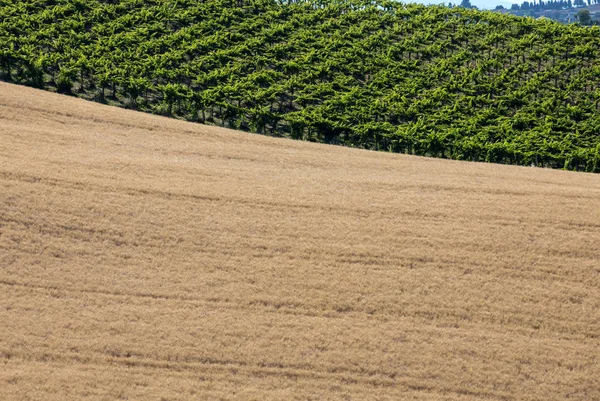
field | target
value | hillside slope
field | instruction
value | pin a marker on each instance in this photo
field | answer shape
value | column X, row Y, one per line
column 148, row 258
column 436, row 81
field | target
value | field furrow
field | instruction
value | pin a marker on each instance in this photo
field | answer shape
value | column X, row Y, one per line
column 149, row 258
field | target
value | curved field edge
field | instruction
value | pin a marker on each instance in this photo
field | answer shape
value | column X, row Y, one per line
column 149, row 258
column 436, row 81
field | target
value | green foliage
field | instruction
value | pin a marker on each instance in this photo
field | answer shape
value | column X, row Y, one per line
column 64, row 82
column 444, row 82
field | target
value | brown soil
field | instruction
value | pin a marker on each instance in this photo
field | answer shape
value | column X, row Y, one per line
column 145, row 258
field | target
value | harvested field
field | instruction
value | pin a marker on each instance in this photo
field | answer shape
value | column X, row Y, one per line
column 145, row 258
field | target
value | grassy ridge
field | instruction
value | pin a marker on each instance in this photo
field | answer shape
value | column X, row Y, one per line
column 454, row 83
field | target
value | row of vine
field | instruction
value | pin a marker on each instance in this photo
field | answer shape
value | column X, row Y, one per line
column 427, row 80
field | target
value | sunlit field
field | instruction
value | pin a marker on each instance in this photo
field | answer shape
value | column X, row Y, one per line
column 146, row 258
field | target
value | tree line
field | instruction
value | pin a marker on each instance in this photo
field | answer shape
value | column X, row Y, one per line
column 553, row 4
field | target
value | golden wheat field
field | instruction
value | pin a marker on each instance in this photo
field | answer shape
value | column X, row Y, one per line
column 145, row 258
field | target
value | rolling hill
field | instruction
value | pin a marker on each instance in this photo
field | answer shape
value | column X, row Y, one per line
column 406, row 78
column 143, row 257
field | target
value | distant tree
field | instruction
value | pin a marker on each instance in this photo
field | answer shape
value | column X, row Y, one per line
column 584, row 17
column 515, row 7
column 579, row 3
column 500, row 7
column 467, row 3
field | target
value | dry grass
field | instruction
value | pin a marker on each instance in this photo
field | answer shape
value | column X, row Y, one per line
column 148, row 258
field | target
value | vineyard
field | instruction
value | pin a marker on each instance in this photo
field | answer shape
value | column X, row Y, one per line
column 425, row 80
